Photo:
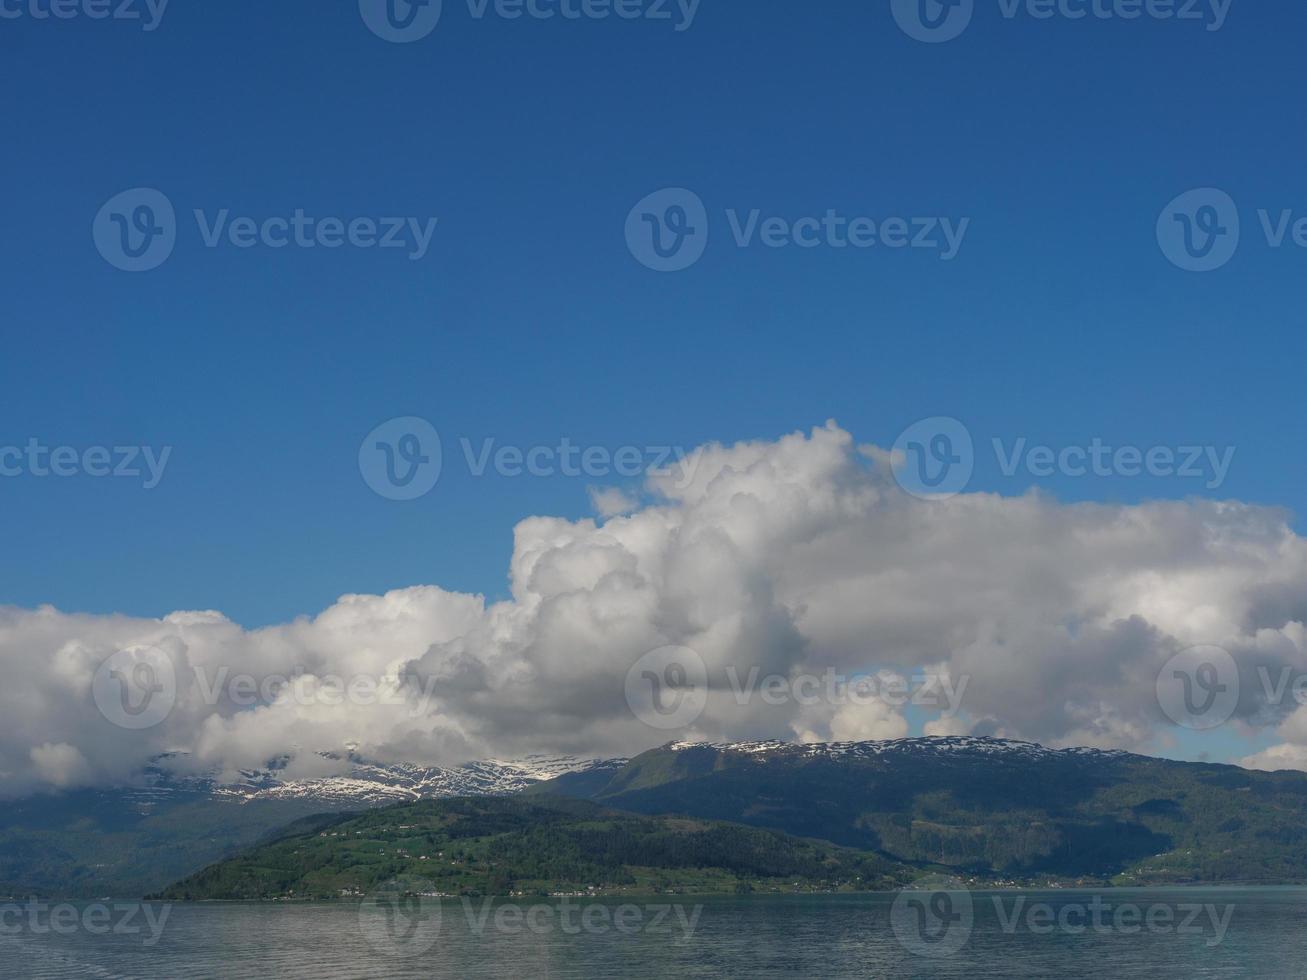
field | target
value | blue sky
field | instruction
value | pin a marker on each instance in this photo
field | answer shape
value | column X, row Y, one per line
column 529, row 320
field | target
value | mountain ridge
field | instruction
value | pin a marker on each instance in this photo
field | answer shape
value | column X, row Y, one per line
column 134, row 839
column 983, row 743
column 976, row 804
column 984, row 806
column 365, row 781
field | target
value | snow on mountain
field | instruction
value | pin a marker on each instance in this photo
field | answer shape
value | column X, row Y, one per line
column 365, row 783
column 928, row 745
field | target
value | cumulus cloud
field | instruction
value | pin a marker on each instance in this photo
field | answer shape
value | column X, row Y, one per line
column 60, row 765
column 795, row 556
column 611, row 501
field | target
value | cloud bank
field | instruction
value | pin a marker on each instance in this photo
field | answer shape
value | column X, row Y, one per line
column 799, row 555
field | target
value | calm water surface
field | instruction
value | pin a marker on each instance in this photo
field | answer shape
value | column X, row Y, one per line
column 1254, row 933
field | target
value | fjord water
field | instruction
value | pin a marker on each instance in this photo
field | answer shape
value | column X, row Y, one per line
column 827, row 936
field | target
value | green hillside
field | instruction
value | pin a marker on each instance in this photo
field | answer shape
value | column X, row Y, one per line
column 499, row 846
column 991, row 809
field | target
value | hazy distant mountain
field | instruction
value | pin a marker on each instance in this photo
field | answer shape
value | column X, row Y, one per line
column 135, row 840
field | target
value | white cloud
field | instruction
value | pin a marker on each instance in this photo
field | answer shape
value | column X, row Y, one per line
column 795, row 555
column 611, row 501
column 60, row 765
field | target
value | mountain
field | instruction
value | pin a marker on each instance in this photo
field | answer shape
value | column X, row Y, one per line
column 987, row 808
column 498, row 846
column 133, row 840
column 993, row 808
column 367, row 784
